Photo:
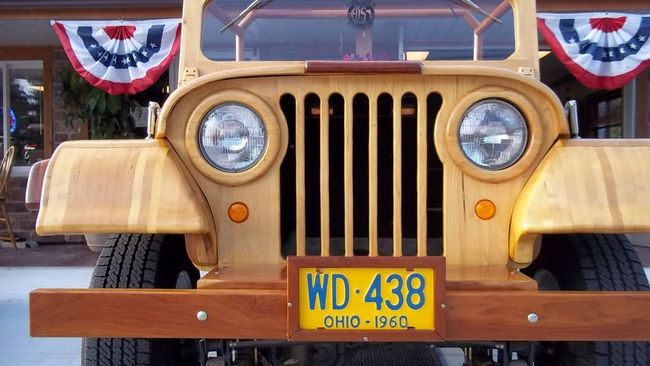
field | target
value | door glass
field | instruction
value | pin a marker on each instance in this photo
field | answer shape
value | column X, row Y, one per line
column 25, row 117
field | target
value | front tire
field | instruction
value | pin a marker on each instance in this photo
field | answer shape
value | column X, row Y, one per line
column 141, row 261
column 590, row 262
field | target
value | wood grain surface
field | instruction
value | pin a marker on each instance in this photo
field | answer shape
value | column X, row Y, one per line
column 274, row 277
column 584, row 186
column 158, row 313
column 524, row 55
column 118, row 186
column 262, row 314
column 468, row 240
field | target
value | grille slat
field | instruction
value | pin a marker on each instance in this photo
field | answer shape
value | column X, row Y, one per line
column 348, row 177
column 301, row 231
column 324, row 177
column 397, row 177
column 422, row 176
column 373, row 250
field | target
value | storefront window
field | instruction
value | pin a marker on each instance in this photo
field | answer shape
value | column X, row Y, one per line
column 21, row 89
column 609, row 116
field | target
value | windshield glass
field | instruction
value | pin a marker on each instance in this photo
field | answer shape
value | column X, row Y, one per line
column 287, row 30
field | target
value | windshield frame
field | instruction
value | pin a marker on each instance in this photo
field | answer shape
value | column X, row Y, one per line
column 524, row 55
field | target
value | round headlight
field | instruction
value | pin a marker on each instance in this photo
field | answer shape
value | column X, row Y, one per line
column 232, row 137
column 493, row 134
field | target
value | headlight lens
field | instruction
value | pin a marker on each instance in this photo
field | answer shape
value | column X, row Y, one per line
column 232, row 137
column 493, row 134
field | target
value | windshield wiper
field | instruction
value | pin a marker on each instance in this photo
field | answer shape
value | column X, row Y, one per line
column 471, row 5
column 255, row 4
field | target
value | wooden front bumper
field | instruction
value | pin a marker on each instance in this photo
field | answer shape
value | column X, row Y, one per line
column 262, row 314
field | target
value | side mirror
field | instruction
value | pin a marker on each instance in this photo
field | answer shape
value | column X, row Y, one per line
column 152, row 116
column 571, row 111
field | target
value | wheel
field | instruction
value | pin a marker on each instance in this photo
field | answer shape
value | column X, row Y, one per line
column 142, row 261
column 590, row 262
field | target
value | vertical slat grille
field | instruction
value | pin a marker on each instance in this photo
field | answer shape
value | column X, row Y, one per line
column 387, row 182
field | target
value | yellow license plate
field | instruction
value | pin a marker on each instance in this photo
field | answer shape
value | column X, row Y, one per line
column 366, row 298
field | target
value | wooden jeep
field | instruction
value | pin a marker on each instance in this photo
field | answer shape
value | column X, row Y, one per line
column 336, row 178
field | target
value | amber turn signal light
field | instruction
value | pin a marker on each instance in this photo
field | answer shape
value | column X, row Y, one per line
column 238, row 212
column 485, row 209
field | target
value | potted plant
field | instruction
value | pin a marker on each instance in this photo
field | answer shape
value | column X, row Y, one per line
column 106, row 116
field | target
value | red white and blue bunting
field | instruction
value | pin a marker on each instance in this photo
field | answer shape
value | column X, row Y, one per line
column 602, row 50
column 120, row 57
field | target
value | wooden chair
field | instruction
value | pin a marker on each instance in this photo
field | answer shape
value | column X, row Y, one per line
column 5, row 175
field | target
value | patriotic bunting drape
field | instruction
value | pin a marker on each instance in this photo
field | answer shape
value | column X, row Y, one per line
column 602, row 50
column 120, row 57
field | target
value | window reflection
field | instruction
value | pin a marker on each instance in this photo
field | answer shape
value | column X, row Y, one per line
column 24, row 124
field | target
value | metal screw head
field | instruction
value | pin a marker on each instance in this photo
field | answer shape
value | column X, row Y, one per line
column 533, row 318
column 365, row 339
column 289, row 305
column 202, row 316
column 444, row 306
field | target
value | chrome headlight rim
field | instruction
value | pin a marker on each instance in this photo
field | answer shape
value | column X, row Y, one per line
column 206, row 154
column 453, row 153
column 276, row 140
column 524, row 125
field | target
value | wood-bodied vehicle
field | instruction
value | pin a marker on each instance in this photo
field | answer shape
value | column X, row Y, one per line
column 389, row 174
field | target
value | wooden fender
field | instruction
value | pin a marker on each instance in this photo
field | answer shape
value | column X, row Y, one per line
column 583, row 186
column 119, row 186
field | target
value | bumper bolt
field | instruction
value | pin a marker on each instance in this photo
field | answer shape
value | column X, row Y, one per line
column 365, row 339
column 202, row 316
column 533, row 318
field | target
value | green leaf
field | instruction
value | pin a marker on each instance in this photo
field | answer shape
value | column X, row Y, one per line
column 75, row 81
column 101, row 103
column 113, row 103
column 93, row 98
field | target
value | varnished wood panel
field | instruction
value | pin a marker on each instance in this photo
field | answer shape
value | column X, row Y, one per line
column 158, row 313
column 324, row 176
column 488, row 278
column 584, row 186
column 363, row 67
column 373, row 161
column 525, row 54
column 269, row 277
column 348, row 165
column 562, row 315
column 467, row 239
column 274, row 277
column 262, row 314
column 118, row 186
column 397, row 175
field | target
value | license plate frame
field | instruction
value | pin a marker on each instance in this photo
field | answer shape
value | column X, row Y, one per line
column 296, row 333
